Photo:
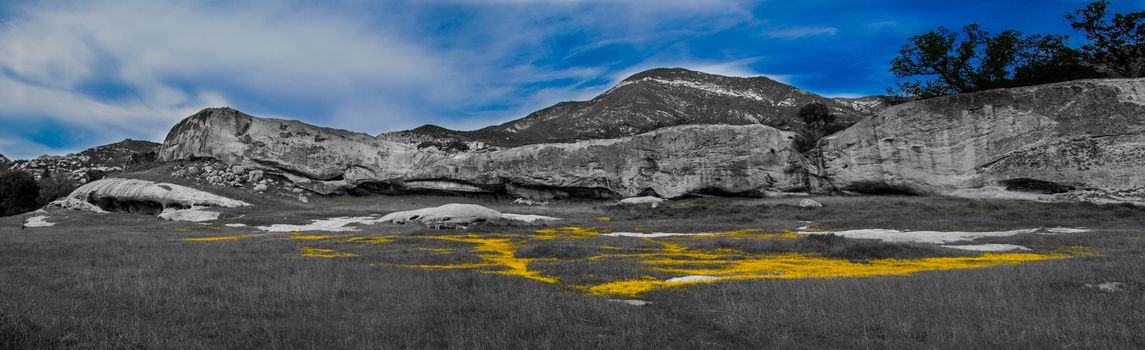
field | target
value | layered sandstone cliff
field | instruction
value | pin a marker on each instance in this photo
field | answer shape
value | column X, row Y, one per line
column 670, row 162
column 1033, row 142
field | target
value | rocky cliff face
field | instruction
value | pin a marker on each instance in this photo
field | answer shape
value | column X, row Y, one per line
column 670, row 162
column 292, row 147
column 648, row 101
column 1033, row 142
column 4, row 160
column 140, row 196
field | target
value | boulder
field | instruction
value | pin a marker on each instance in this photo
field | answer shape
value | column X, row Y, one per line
column 528, row 218
column 459, row 215
column 1040, row 142
column 195, row 214
column 449, row 215
column 807, row 203
column 670, row 162
column 140, row 196
column 642, row 200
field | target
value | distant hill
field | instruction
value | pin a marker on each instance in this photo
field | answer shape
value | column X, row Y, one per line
column 647, row 101
column 93, row 162
column 873, row 104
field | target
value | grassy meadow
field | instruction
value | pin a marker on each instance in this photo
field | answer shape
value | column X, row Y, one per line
column 132, row 282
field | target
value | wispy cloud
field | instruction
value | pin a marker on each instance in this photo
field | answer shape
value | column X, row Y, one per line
column 801, row 32
column 75, row 74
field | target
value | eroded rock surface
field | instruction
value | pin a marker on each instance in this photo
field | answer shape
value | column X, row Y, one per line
column 140, row 196
column 669, row 162
column 1084, row 139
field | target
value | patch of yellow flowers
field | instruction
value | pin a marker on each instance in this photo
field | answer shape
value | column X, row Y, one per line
column 498, row 256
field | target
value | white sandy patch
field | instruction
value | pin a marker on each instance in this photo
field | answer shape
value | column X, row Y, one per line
column 38, row 221
column 633, row 302
column 642, row 200
column 331, row 225
column 695, row 278
column 235, row 225
column 528, row 218
column 932, row 237
column 1067, row 230
column 195, row 214
column 652, row 234
column 988, row 247
column 1109, row 287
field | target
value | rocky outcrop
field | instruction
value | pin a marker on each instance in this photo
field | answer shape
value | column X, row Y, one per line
column 4, row 160
column 456, row 215
column 288, row 146
column 1051, row 141
column 669, row 162
column 140, row 196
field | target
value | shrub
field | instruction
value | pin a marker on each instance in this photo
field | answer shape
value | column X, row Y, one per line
column 19, row 193
column 451, row 146
column 818, row 122
column 54, row 187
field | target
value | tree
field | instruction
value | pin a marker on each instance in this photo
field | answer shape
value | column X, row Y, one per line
column 54, row 187
column 1116, row 45
column 976, row 60
column 18, row 193
column 818, row 122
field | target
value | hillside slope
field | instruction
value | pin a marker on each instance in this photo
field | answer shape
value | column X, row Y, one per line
column 647, row 101
column 94, row 162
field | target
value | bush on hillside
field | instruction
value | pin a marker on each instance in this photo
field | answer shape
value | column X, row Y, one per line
column 55, row 187
column 19, row 193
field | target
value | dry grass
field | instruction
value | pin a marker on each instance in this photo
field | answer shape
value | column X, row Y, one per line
column 121, row 281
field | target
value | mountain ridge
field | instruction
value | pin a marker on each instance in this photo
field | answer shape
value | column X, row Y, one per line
column 647, row 101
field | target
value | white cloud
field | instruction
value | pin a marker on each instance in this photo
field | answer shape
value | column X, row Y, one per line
column 369, row 70
column 801, row 32
column 179, row 57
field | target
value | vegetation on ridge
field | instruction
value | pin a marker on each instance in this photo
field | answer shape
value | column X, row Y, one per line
column 977, row 60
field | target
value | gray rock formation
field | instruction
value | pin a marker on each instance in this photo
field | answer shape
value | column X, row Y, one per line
column 456, row 215
column 4, row 160
column 140, row 196
column 1085, row 138
column 669, row 162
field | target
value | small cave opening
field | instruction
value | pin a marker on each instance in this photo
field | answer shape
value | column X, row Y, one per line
column 648, row 192
column 132, row 206
column 720, row 192
column 1034, row 186
column 878, row 188
column 563, row 193
column 386, row 188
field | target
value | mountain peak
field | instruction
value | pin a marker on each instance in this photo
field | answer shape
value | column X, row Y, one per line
column 687, row 74
column 646, row 101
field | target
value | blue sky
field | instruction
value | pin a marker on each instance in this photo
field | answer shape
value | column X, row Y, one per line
column 75, row 74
